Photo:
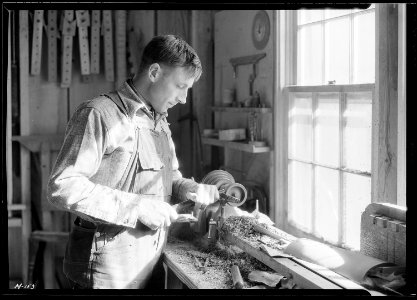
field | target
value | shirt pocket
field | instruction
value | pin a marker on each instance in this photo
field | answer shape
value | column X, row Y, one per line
column 150, row 150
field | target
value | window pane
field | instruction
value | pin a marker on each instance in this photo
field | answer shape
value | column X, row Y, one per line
column 300, row 127
column 299, row 199
column 337, row 50
column 358, row 131
column 333, row 13
column 327, row 135
column 310, row 55
column 364, row 48
column 327, row 204
column 357, row 190
column 309, row 15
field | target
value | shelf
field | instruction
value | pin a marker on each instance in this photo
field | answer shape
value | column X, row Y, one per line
column 235, row 145
column 262, row 110
column 14, row 222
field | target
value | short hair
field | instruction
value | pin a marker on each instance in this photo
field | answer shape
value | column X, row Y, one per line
column 173, row 51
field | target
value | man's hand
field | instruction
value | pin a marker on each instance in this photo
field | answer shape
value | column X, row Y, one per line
column 155, row 214
column 205, row 194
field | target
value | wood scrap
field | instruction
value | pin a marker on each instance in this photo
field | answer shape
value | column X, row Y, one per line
column 274, row 253
column 95, row 42
column 107, row 31
column 38, row 23
column 270, row 279
column 274, row 232
column 237, row 277
column 68, row 26
column 52, row 46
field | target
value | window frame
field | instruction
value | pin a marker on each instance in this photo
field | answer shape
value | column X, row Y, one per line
column 285, row 76
column 341, row 91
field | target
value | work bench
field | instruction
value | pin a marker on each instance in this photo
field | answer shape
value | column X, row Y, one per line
column 181, row 271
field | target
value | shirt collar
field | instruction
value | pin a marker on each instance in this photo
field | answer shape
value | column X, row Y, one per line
column 134, row 101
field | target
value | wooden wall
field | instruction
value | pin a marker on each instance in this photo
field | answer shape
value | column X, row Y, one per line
column 233, row 39
column 45, row 107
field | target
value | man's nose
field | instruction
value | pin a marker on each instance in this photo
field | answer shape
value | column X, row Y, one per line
column 182, row 98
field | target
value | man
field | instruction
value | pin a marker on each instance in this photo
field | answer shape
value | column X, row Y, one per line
column 118, row 172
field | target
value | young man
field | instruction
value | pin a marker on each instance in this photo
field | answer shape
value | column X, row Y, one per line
column 118, row 172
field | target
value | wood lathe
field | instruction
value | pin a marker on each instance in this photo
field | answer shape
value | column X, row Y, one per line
column 227, row 238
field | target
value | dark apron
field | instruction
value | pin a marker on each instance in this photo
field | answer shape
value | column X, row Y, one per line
column 110, row 256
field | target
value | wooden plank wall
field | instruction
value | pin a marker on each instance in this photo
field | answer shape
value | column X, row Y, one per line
column 46, row 106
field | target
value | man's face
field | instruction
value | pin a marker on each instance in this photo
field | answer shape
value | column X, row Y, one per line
column 170, row 87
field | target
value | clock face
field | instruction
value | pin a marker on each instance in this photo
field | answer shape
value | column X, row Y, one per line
column 260, row 30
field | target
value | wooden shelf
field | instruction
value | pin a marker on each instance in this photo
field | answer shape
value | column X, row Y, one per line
column 14, row 222
column 261, row 110
column 235, row 145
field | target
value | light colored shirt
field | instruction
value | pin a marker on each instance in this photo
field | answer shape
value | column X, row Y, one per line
column 99, row 141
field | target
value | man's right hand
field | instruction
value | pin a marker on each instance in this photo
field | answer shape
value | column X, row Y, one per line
column 155, row 214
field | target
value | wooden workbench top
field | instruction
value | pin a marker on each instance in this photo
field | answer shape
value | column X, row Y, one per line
column 180, row 256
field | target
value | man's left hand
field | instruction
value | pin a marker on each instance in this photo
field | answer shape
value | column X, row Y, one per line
column 205, row 194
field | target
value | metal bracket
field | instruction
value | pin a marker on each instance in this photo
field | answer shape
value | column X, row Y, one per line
column 246, row 60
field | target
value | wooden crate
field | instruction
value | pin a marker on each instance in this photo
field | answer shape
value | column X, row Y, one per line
column 383, row 232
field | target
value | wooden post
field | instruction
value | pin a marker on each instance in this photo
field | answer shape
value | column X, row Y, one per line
column 202, row 39
column 47, row 222
column 402, row 112
column 9, row 168
column 385, row 106
column 24, row 130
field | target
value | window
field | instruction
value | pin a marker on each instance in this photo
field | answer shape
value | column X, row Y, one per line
column 336, row 46
column 330, row 123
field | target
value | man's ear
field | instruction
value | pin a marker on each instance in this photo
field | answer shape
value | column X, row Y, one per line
column 155, row 72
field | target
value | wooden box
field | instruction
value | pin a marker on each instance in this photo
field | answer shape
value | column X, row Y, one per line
column 383, row 232
column 232, row 134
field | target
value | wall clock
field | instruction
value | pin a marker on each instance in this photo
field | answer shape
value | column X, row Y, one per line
column 260, row 29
